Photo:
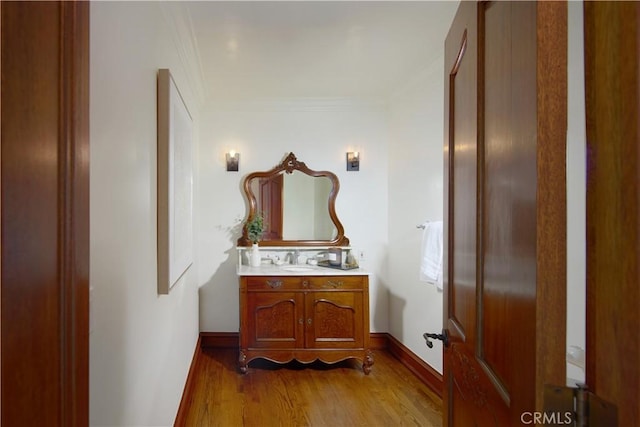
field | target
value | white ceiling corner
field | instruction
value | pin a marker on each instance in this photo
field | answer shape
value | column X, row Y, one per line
column 247, row 50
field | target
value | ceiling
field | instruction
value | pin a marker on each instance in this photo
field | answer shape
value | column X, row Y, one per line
column 288, row 49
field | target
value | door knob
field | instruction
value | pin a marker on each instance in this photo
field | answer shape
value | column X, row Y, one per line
column 444, row 337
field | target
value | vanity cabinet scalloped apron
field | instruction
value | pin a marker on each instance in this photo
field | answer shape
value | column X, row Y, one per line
column 304, row 318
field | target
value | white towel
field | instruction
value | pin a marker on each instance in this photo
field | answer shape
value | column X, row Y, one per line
column 431, row 254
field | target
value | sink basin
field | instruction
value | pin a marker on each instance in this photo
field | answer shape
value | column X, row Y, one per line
column 297, row 268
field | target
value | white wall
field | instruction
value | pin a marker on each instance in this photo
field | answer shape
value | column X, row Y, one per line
column 141, row 344
column 576, row 188
column 319, row 132
column 415, row 196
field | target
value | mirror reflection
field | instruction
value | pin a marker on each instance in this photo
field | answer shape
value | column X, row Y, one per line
column 297, row 204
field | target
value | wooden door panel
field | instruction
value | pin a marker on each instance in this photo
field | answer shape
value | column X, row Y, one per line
column 334, row 320
column 508, row 283
column 501, row 135
column 276, row 318
column 612, row 65
column 461, row 413
column 460, row 218
column 30, row 296
column 463, row 142
column 45, row 213
column 270, row 206
column 477, row 391
column 471, row 396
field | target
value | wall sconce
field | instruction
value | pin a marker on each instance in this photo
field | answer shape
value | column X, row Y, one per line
column 233, row 161
column 353, row 161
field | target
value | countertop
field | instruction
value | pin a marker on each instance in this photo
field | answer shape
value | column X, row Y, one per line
column 296, row 270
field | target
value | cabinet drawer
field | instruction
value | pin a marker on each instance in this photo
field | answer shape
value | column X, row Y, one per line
column 334, row 282
column 260, row 283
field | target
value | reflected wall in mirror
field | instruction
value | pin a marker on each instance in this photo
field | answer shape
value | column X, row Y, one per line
column 297, row 203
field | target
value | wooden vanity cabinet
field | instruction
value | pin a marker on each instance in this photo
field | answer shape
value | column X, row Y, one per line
column 305, row 318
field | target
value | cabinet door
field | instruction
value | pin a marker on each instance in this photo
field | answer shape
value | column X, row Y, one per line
column 275, row 319
column 334, row 320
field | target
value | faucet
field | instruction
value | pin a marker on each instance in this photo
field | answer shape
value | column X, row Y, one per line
column 293, row 256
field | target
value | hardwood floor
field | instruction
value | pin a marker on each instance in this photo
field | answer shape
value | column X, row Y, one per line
column 308, row 395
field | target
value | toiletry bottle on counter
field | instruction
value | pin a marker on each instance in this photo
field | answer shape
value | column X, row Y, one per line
column 335, row 256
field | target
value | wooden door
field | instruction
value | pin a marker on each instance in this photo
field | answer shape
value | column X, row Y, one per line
column 612, row 67
column 334, row 319
column 275, row 319
column 505, row 272
column 270, row 205
column 45, row 213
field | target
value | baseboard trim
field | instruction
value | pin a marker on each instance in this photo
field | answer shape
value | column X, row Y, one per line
column 189, row 385
column 429, row 376
column 377, row 341
column 220, row 339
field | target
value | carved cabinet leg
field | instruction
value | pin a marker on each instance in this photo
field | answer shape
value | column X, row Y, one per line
column 368, row 362
column 242, row 362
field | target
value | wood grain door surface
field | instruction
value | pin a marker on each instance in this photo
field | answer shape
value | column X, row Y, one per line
column 45, row 213
column 612, row 67
column 505, row 230
column 270, row 206
column 274, row 318
column 334, row 319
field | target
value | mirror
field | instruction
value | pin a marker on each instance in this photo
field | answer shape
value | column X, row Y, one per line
column 297, row 204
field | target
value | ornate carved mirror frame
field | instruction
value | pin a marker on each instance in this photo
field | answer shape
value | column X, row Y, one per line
column 288, row 166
